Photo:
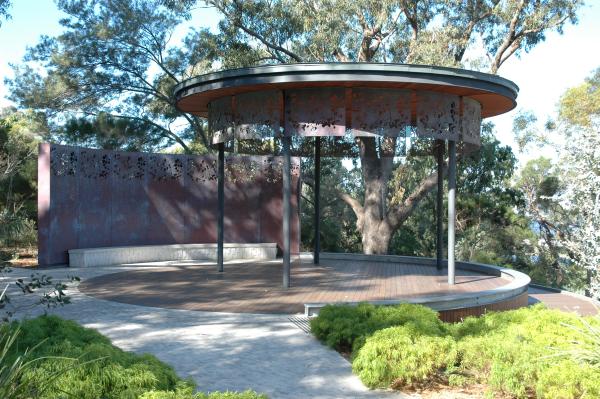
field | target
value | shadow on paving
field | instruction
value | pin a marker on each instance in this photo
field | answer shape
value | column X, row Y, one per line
column 222, row 351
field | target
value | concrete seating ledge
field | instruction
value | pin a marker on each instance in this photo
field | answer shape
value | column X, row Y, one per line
column 90, row 257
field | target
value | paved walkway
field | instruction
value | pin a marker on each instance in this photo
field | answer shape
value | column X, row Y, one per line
column 220, row 351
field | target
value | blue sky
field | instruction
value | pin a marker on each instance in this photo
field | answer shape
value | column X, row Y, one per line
column 562, row 61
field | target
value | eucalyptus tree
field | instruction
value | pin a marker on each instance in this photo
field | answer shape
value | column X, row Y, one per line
column 101, row 63
column 579, row 121
column 561, row 195
column 425, row 31
column 113, row 60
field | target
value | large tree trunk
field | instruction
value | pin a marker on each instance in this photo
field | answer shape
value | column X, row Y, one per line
column 377, row 166
column 375, row 221
column 376, row 237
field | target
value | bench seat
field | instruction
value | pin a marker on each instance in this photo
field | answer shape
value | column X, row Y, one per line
column 89, row 257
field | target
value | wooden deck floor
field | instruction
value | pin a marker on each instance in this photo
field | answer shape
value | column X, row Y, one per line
column 256, row 287
column 564, row 301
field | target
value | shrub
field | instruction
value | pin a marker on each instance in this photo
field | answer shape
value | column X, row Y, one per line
column 187, row 392
column 586, row 348
column 523, row 351
column 399, row 356
column 13, row 385
column 529, row 352
column 102, row 370
column 16, row 230
column 346, row 328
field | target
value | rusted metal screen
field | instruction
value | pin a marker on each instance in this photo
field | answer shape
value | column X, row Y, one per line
column 251, row 123
column 96, row 198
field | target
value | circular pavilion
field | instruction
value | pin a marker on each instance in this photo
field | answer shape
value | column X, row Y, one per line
column 304, row 101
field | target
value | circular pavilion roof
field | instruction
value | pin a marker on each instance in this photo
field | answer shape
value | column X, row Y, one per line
column 495, row 94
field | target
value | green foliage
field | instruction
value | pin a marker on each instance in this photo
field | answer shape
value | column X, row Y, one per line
column 13, row 385
column 486, row 203
column 545, row 259
column 401, row 356
column 53, row 358
column 4, row 7
column 20, row 132
column 521, row 353
column 346, row 328
column 109, row 132
column 16, row 230
column 561, row 200
column 115, row 64
column 586, row 349
column 108, row 373
column 338, row 222
column 580, row 104
column 183, row 391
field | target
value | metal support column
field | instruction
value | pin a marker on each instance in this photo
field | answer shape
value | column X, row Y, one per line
column 287, row 197
column 451, row 208
column 317, row 189
column 440, row 148
column 221, row 205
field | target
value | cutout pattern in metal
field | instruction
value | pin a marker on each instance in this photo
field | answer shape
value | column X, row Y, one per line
column 315, row 112
column 129, row 166
column 257, row 115
column 471, row 122
column 438, row 115
column 380, row 112
column 164, row 168
column 94, row 164
column 63, row 161
column 221, row 120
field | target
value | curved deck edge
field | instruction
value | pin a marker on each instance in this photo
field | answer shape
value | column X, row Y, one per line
column 450, row 307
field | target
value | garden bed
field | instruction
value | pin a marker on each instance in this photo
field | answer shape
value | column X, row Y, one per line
column 20, row 256
column 529, row 352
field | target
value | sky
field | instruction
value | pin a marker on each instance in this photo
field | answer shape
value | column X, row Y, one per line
column 543, row 74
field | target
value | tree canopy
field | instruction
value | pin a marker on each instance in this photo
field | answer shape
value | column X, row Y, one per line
column 114, row 60
column 4, row 7
column 108, row 78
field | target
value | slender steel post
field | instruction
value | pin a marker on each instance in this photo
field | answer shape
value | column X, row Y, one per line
column 440, row 147
column 451, row 208
column 317, row 200
column 287, row 197
column 221, row 205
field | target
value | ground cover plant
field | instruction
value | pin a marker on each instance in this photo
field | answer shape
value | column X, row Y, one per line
column 187, row 392
column 58, row 358
column 529, row 352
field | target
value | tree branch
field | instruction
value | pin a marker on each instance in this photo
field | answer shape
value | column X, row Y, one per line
column 236, row 22
column 344, row 196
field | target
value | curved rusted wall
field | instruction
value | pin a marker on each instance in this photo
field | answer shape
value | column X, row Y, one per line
column 91, row 198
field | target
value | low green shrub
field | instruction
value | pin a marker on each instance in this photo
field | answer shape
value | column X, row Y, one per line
column 526, row 351
column 83, row 363
column 187, row 392
column 12, row 369
column 345, row 328
column 399, row 356
column 529, row 352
